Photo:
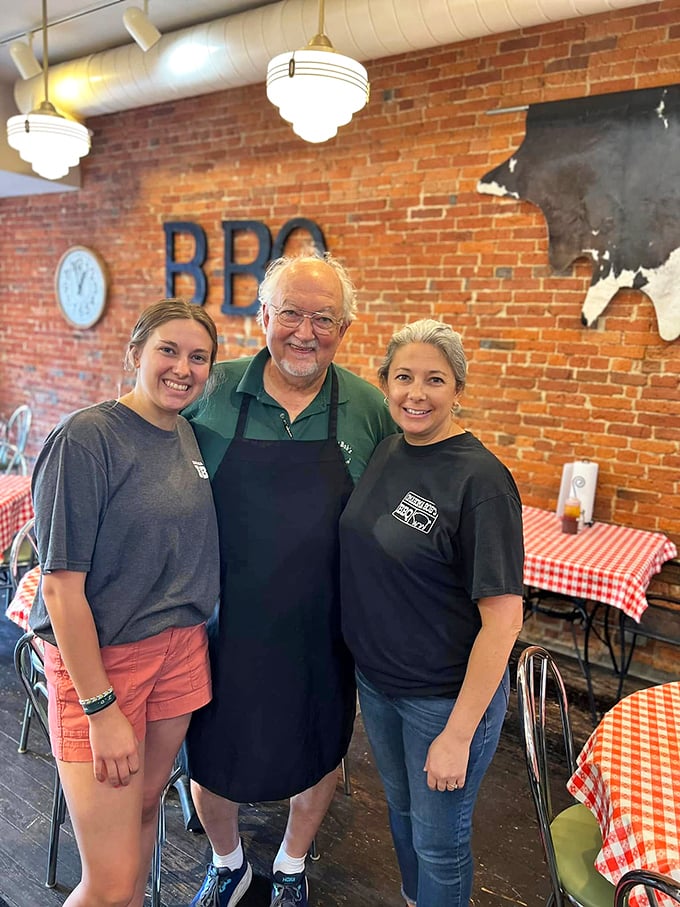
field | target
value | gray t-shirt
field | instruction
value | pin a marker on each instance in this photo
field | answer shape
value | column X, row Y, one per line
column 130, row 505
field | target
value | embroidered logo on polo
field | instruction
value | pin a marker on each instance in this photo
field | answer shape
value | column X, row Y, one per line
column 346, row 450
column 417, row 512
column 200, row 469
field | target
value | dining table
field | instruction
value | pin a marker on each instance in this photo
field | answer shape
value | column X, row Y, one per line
column 16, row 507
column 603, row 565
column 628, row 775
column 19, row 607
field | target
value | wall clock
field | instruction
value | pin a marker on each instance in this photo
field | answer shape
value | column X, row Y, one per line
column 81, row 282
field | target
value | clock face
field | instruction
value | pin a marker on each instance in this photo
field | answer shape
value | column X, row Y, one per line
column 81, row 284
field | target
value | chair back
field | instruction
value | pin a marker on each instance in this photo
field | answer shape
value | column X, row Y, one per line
column 28, row 664
column 653, row 884
column 538, row 677
column 12, row 461
column 24, row 552
column 18, row 427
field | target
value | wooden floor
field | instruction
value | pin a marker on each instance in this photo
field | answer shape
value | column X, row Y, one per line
column 356, row 864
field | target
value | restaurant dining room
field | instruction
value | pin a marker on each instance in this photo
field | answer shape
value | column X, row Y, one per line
column 510, row 168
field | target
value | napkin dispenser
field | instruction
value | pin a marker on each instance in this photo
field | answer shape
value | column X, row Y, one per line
column 579, row 480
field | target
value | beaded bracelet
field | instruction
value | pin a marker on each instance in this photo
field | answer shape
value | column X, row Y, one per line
column 97, row 703
column 97, row 697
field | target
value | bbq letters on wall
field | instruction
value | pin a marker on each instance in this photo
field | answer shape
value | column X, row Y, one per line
column 267, row 250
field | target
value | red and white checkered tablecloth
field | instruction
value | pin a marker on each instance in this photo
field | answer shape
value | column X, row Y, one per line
column 602, row 563
column 628, row 775
column 16, row 507
column 20, row 606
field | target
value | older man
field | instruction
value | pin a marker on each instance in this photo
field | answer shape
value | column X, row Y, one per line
column 284, row 435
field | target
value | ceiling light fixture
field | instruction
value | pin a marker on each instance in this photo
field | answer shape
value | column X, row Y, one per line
column 140, row 27
column 24, row 59
column 317, row 89
column 48, row 141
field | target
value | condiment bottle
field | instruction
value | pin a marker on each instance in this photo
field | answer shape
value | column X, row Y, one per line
column 570, row 516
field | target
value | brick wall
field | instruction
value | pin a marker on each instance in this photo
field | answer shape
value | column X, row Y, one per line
column 395, row 195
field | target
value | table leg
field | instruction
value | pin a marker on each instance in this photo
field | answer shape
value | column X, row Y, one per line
column 588, row 626
column 538, row 602
column 621, row 666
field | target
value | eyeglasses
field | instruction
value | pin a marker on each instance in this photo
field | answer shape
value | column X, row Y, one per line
column 292, row 318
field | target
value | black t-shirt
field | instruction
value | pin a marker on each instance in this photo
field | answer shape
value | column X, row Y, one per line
column 428, row 531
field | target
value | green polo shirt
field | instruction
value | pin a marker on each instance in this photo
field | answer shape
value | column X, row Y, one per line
column 363, row 418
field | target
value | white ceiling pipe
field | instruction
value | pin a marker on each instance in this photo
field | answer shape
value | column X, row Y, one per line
column 235, row 50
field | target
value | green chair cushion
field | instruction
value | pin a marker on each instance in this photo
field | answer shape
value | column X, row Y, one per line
column 577, row 842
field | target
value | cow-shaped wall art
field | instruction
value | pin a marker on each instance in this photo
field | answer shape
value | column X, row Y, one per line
column 605, row 172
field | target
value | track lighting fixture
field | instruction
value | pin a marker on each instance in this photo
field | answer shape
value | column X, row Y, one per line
column 140, row 27
column 24, row 59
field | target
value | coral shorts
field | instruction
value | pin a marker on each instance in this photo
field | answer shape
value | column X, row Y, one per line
column 161, row 677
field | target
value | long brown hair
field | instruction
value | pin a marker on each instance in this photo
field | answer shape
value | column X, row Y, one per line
column 165, row 310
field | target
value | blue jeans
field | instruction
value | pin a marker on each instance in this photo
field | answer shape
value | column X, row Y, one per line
column 431, row 830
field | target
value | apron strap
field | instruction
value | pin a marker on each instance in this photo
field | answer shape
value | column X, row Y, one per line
column 332, row 416
column 242, row 416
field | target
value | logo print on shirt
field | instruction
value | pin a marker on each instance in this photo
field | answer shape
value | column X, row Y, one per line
column 417, row 512
column 200, row 469
column 347, row 451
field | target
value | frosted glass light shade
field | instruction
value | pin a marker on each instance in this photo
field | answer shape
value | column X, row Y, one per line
column 317, row 91
column 49, row 142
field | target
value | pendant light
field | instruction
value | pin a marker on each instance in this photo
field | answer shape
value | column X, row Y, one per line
column 317, row 89
column 45, row 139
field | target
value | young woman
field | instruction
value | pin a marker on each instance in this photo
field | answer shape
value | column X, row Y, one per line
column 127, row 537
column 432, row 560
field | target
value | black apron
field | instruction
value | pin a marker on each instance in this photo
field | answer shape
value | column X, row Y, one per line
column 283, row 702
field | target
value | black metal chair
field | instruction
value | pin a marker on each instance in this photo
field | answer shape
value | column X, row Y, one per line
column 29, row 667
column 571, row 838
column 660, row 622
column 653, row 884
column 23, row 556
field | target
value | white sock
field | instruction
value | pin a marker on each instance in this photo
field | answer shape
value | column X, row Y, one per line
column 286, row 864
column 233, row 860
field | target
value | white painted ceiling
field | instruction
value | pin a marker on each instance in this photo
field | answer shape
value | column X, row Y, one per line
column 77, row 28
column 364, row 29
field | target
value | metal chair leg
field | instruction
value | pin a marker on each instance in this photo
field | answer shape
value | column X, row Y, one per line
column 175, row 775
column 346, row 781
column 58, row 817
column 347, row 788
column 156, row 858
column 191, row 821
column 28, row 712
column 25, row 727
